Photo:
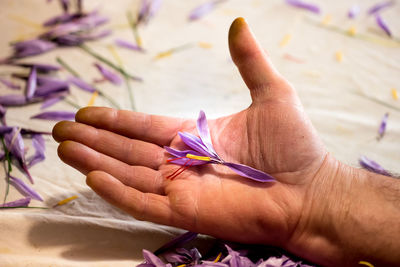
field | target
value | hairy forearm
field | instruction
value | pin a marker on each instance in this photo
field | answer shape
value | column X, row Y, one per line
column 352, row 216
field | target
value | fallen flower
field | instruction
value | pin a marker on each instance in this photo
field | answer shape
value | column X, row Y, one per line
column 108, row 75
column 24, row 189
column 372, row 166
column 55, row 115
column 304, row 5
column 382, row 126
column 203, row 9
column 203, row 153
column 382, row 24
column 379, row 6
column 23, row 202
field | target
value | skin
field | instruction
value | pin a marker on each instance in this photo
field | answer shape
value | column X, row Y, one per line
column 318, row 208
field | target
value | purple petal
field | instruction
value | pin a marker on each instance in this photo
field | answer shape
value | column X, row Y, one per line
column 50, row 86
column 45, row 68
column 202, row 10
column 108, row 75
column 81, row 84
column 12, row 100
column 31, row 84
column 177, row 241
column 184, row 161
column 249, row 172
column 55, row 115
column 65, row 5
column 2, row 115
column 195, row 143
column 128, row 45
column 148, row 9
column 9, row 84
column 39, row 145
column 15, row 144
column 382, row 127
column 353, row 11
column 372, row 166
column 204, row 133
column 50, row 101
column 304, row 5
column 150, row 258
column 23, row 202
column 5, row 129
column 60, row 19
column 32, row 47
column 382, row 24
column 24, row 189
column 379, row 6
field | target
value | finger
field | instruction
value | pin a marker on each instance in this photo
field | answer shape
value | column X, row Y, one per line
column 130, row 151
column 85, row 160
column 253, row 63
column 142, row 206
column 150, row 128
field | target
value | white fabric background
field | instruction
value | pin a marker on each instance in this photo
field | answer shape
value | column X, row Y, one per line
column 88, row 231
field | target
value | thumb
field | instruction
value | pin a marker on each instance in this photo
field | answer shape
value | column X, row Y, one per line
column 253, row 63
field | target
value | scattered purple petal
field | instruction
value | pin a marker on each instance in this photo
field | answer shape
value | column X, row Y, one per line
column 9, row 84
column 3, row 115
column 304, row 5
column 24, row 189
column 39, row 145
column 178, row 241
column 31, row 84
column 128, row 45
column 23, row 202
column 31, row 48
column 49, row 86
column 108, row 75
column 153, row 260
column 15, row 144
column 249, row 172
column 12, row 100
column 382, row 126
column 148, row 9
column 380, row 6
column 55, row 115
column 372, row 166
column 50, row 101
column 354, row 11
column 44, row 68
column 382, row 24
column 65, row 5
column 203, row 9
column 78, row 82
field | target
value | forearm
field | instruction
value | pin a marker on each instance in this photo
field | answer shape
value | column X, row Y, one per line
column 358, row 220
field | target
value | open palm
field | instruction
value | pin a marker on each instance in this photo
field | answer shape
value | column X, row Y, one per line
column 122, row 154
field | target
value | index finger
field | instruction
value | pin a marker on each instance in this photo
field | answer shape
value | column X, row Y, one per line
column 150, row 128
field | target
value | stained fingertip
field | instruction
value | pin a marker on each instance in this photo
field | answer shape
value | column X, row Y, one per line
column 58, row 130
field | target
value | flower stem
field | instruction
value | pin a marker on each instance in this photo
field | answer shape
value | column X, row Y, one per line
column 109, row 63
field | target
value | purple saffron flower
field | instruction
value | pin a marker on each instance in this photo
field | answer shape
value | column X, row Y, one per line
column 39, row 145
column 203, row 153
column 178, row 241
column 78, row 82
column 12, row 100
column 31, row 84
column 24, row 189
column 304, row 5
column 9, row 84
column 108, row 75
column 128, row 45
column 203, row 9
column 353, row 11
column 372, row 166
column 23, row 202
column 55, row 115
column 382, row 24
column 379, row 6
column 31, row 48
column 382, row 126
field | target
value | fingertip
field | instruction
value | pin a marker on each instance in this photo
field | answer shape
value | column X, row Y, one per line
column 83, row 113
column 58, row 130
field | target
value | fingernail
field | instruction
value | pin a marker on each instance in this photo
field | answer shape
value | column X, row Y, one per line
column 237, row 25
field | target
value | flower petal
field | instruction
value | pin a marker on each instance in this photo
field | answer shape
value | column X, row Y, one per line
column 39, row 145
column 150, row 258
column 249, row 172
column 44, row 68
column 15, row 144
column 304, row 5
column 31, row 48
column 353, row 11
column 128, row 45
column 382, row 126
column 372, row 166
column 24, row 189
column 108, row 75
column 55, row 115
column 31, row 84
column 379, row 6
column 202, row 10
column 184, row 161
column 177, row 241
column 382, row 24
column 12, row 100
column 195, row 143
column 204, row 133
column 23, row 202
column 81, row 84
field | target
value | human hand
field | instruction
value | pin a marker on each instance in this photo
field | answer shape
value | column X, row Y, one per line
column 122, row 154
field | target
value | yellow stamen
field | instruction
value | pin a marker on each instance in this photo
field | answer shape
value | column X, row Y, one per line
column 182, row 265
column 285, row 40
column 115, row 54
column 366, row 263
column 394, row 94
column 164, row 54
column 65, row 201
column 352, row 31
column 205, row 45
column 93, row 98
column 190, row 156
column 218, row 257
column 327, row 19
column 339, row 56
